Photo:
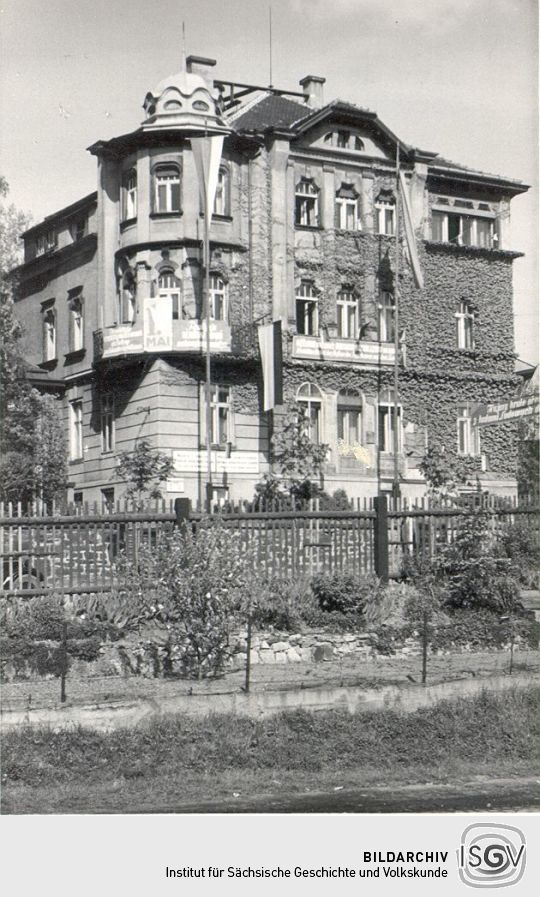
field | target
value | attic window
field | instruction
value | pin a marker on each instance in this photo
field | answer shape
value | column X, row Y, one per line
column 201, row 106
column 170, row 105
column 344, row 140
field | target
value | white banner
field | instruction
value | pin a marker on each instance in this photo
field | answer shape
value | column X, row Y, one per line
column 158, row 323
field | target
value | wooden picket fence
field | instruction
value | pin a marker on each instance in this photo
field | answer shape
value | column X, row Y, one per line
column 73, row 550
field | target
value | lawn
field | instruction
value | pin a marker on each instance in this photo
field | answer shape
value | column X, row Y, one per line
column 189, row 759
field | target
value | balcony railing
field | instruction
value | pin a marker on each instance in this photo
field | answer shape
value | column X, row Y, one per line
column 366, row 352
column 154, row 331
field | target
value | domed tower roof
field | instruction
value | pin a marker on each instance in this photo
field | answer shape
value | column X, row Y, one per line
column 186, row 101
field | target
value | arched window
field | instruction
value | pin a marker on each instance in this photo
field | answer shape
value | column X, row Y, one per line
column 166, row 188
column 222, row 201
column 349, row 417
column 385, row 208
column 386, row 317
column 347, row 208
column 129, row 184
column 307, row 311
column 465, row 325
column 169, row 287
column 309, row 397
column 219, row 298
column 306, row 212
column 128, row 290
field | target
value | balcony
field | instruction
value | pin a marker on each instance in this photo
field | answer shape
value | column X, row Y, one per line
column 361, row 352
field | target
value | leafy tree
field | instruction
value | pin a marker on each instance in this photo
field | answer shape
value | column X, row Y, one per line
column 33, row 457
column 297, row 463
column 144, row 469
column 443, row 471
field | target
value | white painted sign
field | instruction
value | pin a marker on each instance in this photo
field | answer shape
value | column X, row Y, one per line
column 122, row 341
column 158, row 323
column 190, row 336
column 525, row 406
column 175, row 485
column 352, row 351
column 195, row 462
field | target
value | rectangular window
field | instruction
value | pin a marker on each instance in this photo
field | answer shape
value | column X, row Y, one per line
column 107, row 499
column 307, row 310
column 49, row 334
column 349, row 422
column 461, row 229
column 130, row 195
column 220, row 412
column 76, row 324
column 347, row 315
column 385, row 219
column 76, row 430
column 386, row 422
column 218, row 298
column 167, row 191
column 306, row 204
column 468, row 433
column 386, row 317
column 438, row 227
column 107, row 423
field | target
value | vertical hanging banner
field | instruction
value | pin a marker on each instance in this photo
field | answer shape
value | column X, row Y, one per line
column 272, row 364
column 409, row 232
column 207, row 154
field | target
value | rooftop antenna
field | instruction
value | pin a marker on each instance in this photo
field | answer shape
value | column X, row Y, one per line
column 183, row 46
column 270, row 41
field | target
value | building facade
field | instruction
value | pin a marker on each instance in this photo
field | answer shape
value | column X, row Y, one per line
column 303, row 231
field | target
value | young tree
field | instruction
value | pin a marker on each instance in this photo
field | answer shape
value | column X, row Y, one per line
column 33, row 457
column 297, row 463
column 144, row 469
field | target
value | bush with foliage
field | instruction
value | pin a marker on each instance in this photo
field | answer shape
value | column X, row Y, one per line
column 144, row 470
column 344, row 592
column 286, row 604
column 197, row 582
column 520, row 543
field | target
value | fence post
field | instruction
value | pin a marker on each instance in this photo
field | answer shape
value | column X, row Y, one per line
column 182, row 510
column 380, row 504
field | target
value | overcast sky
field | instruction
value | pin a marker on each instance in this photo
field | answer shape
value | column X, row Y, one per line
column 458, row 77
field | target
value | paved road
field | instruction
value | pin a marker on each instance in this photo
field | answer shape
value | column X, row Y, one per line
column 514, row 795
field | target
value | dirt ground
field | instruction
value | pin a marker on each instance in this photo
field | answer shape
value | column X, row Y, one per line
column 348, row 670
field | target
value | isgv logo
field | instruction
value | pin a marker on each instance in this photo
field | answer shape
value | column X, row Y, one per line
column 491, row 855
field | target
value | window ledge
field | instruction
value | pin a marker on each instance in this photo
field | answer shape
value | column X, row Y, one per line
column 75, row 460
column 308, row 227
column 177, row 214
column 48, row 365
column 128, row 222
column 74, row 355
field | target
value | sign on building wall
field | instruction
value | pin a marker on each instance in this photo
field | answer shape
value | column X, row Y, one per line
column 121, row 341
column 195, row 462
column 525, row 406
column 158, row 323
column 343, row 350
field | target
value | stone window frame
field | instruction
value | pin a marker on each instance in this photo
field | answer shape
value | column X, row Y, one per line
column 307, row 296
column 347, row 198
column 107, row 422
column 307, row 211
column 385, row 423
column 347, row 297
column 170, row 174
column 468, row 433
column 465, row 325
column 129, row 194
column 348, row 400
column 384, row 205
column 76, row 320
column 223, row 195
column 218, row 294
column 76, row 435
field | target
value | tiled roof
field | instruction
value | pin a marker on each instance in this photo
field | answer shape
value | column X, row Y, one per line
column 272, row 111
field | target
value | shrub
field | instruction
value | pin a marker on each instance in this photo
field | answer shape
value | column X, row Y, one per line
column 343, row 592
column 518, row 542
column 287, row 604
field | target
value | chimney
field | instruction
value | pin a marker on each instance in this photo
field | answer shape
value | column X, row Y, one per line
column 199, row 65
column 313, row 90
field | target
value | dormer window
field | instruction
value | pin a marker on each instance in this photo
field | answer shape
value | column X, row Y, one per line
column 166, row 189
column 200, row 106
column 129, row 186
column 306, row 204
column 347, row 211
column 385, row 209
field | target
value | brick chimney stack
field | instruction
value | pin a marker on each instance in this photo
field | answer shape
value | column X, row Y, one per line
column 312, row 86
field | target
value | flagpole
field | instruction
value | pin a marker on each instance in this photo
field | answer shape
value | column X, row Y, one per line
column 395, row 485
column 206, row 293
